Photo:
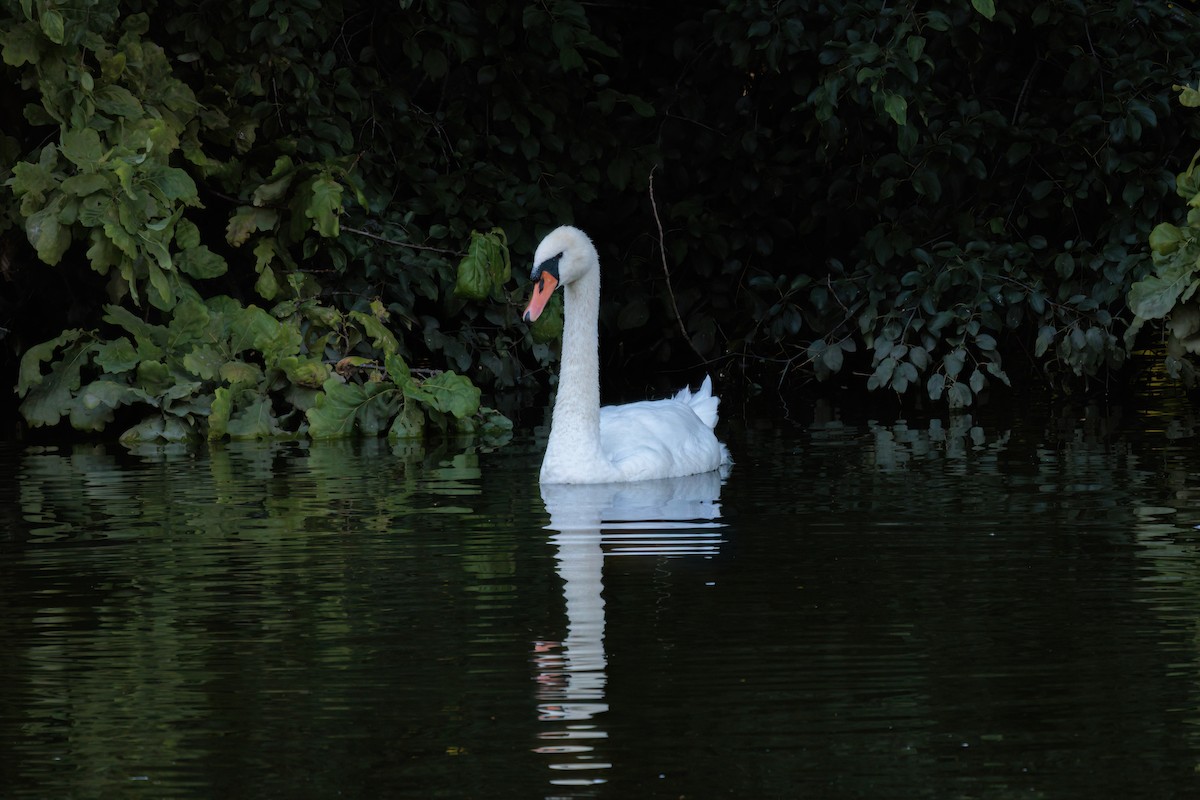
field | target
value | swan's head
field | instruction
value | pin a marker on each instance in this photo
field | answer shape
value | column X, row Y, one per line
column 564, row 256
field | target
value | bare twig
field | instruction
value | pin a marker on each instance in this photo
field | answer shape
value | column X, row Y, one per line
column 662, row 251
column 1024, row 90
column 386, row 240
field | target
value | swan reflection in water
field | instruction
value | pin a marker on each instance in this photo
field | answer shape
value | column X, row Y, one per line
column 672, row 517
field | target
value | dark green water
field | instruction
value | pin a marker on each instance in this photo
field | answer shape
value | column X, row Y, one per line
column 913, row 610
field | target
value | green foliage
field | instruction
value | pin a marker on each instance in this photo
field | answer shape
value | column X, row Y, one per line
column 924, row 188
column 486, row 269
column 905, row 194
column 108, row 180
column 1168, row 292
column 133, row 149
column 222, row 370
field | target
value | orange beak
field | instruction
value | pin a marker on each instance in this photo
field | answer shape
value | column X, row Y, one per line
column 545, row 286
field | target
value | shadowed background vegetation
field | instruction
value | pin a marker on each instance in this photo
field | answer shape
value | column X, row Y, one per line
column 245, row 220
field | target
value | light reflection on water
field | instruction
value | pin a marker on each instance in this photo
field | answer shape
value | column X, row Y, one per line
column 669, row 518
column 922, row 609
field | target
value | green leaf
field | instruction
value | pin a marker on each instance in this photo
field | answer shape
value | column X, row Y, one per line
column 161, row 295
column 30, row 373
column 218, row 415
column 639, row 106
column 102, row 255
column 985, row 7
column 381, row 337
column 1154, row 296
column 927, row 183
column 116, row 356
column 953, row 362
column 82, row 148
column 253, row 328
column 87, row 183
column 325, row 205
column 180, row 390
column 239, row 374
column 495, row 426
column 247, row 220
column 905, row 375
column 204, row 361
column 472, row 282
column 380, row 406
column 123, row 240
column 53, row 26
column 337, row 406
column 408, row 424
column 936, row 385
column 268, row 193
column 200, row 262
column 832, row 357
column 172, row 182
column 449, row 393
column 257, row 421
column 485, row 268
column 287, row 340
column 142, row 331
column 49, row 397
column 1045, row 338
column 882, row 376
column 267, row 285
column 158, row 429
column 323, row 316
column 20, row 45
column 264, row 254
column 118, row 101
column 397, row 370
column 996, row 371
column 1165, row 239
column 916, row 46
column 1188, row 96
column 938, row 21
column 49, row 237
column 187, row 235
column 95, row 403
column 32, row 182
column 308, row 372
column 897, row 108
column 154, row 377
column 153, row 245
column 959, row 396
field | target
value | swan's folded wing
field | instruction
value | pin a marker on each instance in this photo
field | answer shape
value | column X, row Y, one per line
column 658, row 439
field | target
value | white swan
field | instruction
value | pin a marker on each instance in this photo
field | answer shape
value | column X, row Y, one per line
column 615, row 444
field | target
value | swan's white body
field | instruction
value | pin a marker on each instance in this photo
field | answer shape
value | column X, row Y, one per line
column 615, row 444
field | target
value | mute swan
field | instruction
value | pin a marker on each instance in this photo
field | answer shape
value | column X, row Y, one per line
column 615, row 444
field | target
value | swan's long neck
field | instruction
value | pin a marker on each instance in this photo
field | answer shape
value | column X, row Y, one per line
column 574, row 446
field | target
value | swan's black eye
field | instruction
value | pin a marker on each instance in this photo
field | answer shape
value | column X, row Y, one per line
column 550, row 265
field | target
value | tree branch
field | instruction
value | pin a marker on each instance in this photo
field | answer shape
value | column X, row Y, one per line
column 386, row 240
column 662, row 250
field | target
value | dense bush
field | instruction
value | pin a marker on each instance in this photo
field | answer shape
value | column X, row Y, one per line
column 300, row 212
column 1168, row 292
column 913, row 189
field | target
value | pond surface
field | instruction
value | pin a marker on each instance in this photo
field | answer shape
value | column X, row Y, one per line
column 939, row 609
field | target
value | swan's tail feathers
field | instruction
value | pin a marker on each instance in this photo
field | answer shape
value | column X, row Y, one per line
column 702, row 401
